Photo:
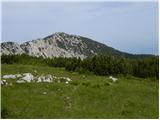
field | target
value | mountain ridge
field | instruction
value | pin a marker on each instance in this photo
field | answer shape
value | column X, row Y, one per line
column 61, row 44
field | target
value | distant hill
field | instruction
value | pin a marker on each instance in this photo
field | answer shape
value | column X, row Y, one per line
column 61, row 44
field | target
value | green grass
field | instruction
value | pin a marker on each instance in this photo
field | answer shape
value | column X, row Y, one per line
column 88, row 96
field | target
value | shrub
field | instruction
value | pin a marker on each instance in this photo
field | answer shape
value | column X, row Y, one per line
column 99, row 65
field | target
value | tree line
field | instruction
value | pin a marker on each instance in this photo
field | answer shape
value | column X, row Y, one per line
column 99, row 64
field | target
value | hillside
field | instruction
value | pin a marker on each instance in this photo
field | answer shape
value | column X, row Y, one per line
column 60, row 45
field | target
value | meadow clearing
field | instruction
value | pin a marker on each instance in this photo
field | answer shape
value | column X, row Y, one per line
column 86, row 96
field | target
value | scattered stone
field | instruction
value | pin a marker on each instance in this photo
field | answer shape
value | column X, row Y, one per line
column 28, row 77
column 4, row 82
column 39, row 79
column 113, row 79
column 44, row 93
column 10, row 84
column 58, row 89
column 35, row 71
column 64, row 79
column 68, row 79
column 48, row 79
column 67, row 82
column 20, row 81
column 54, row 77
column 83, row 76
column 18, row 75
column 9, row 76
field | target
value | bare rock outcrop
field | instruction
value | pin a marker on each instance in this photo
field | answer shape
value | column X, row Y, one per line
column 58, row 44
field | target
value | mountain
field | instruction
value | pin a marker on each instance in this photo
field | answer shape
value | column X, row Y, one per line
column 60, row 44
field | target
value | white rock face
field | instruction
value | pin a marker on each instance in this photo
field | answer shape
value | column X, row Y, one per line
column 56, row 45
column 53, row 46
column 11, row 48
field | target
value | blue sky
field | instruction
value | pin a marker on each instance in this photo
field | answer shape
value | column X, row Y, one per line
column 127, row 26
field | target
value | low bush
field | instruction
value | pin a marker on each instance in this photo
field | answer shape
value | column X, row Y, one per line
column 99, row 65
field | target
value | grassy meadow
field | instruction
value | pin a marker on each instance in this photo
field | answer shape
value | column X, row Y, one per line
column 87, row 96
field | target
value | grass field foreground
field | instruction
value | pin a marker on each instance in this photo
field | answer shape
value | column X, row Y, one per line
column 87, row 96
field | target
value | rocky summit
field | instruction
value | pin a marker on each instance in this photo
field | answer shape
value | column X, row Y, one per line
column 58, row 44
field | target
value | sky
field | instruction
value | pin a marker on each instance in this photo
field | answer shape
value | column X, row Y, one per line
column 127, row 26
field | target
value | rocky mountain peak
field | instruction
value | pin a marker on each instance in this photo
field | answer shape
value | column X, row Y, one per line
column 59, row 44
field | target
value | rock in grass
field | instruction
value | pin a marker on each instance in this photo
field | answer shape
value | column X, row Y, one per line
column 67, row 82
column 20, row 81
column 18, row 75
column 10, row 84
column 39, row 79
column 113, row 79
column 28, row 77
column 35, row 71
column 84, row 76
column 9, row 76
column 63, row 79
column 44, row 93
column 3, row 82
column 47, row 78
